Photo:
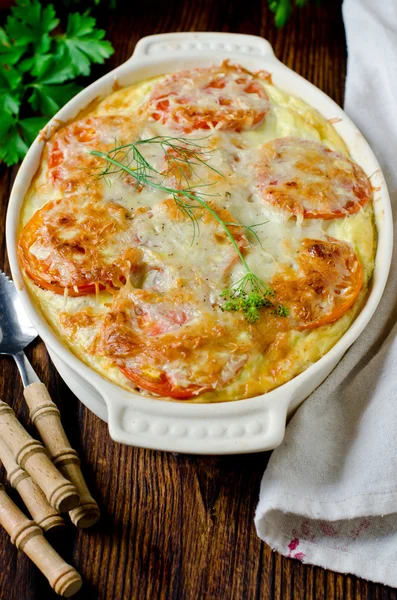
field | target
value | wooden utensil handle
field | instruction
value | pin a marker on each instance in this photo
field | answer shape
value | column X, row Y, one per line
column 41, row 511
column 31, row 456
column 28, row 537
column 47, row 420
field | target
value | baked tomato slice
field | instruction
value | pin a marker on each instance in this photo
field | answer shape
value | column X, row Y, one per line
column 327, row 284
column 194, row 365
column 171, row 344
column 71, row 167
column 225, row 97
column 306, row 179
column 192, row 370
column 77, row 245
column 160, row 384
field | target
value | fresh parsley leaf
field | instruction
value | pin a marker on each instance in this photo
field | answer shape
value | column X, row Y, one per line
column 10, row 90
column 16, row 136
column 25, row 65
column 31, row 127
column 6, row 122
column 50, row 69
column 10, row 53
column 83, row 44
column 46, row 95
column 31, row 23
column 50, row 98
column 282, row 10
column 13, row 148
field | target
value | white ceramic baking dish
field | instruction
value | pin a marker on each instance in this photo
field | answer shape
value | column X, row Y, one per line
column 242, row 426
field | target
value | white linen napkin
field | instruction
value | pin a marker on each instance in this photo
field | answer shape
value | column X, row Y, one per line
column 329, row 494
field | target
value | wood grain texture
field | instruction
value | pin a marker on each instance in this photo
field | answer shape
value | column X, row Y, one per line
column 179, row 527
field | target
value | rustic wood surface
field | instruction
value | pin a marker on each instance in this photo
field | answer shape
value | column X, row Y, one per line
column 179, row 527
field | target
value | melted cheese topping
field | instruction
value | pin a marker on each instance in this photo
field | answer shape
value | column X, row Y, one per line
column 144, row 278
column 225, row 97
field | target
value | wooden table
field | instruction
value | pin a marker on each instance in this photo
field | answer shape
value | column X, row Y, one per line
column 180, row 527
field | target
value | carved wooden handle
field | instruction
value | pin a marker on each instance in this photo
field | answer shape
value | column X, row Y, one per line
column 47, row 419
column 28, row 537
column 31, row 456
column 42, row 512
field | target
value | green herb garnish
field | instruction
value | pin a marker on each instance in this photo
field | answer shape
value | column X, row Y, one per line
column 251, row 229
column 181, row 157
column 281, row 311
column 38, row 69
column 129, row 159
column 248, row 295
column 282, row 10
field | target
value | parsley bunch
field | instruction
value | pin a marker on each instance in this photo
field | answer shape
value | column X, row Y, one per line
column 38, row 67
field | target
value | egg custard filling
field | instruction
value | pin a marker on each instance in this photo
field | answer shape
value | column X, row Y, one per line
column 201, row 236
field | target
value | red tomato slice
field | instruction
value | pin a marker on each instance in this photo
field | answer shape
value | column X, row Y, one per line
column 306, row 179
column 327, row 285
column 71, row 166
column 225, row 97
column 162, row 386
column 146, row 330
column 155, row 318
column 77, row 245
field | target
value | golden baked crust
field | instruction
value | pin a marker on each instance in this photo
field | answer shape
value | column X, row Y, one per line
column 222, row 174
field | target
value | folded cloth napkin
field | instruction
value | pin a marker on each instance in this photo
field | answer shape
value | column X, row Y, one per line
column 329, row 494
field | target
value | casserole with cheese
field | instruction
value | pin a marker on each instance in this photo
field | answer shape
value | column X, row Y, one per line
column 199, row 236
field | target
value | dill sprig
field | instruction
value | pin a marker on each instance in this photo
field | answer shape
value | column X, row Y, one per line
column 281, row 311
column 182, row 154
column 249, row 294
column 183, row 197
column 251, row 229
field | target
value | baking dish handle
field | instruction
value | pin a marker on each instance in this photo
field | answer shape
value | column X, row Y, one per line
column 223, row 428
column 180, row 44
